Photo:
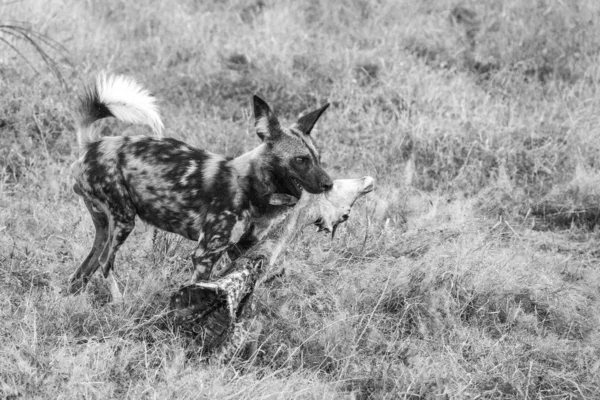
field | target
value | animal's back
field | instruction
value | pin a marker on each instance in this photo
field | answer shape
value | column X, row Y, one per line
column 171, row 184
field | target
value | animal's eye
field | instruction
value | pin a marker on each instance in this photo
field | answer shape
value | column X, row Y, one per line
column 301, row 160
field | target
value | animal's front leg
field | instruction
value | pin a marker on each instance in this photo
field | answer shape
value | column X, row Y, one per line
column 203, row 262
column 221, row 231
column 221, row 267
column 209, row 251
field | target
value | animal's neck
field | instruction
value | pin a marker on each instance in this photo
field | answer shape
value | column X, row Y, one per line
column 241, row 163
column 252, row 169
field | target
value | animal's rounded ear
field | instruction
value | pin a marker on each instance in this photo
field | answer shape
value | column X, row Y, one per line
column 265, row 121
column 308, row 121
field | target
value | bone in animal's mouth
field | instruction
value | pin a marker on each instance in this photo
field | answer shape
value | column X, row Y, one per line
column 298, row 185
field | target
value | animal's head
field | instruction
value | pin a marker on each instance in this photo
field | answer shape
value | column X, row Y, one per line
column 333, row 207
column 295, row 160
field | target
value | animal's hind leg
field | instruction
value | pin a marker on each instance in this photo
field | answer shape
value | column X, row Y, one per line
column 122, row 227
column 82, row 274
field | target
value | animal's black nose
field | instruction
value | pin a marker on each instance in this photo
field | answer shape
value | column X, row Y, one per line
column 326, row 186
column 344, row 217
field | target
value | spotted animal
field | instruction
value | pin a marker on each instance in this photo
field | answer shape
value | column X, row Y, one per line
column 171, row 185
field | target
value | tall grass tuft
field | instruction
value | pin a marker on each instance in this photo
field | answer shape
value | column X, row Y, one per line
column 15, row 33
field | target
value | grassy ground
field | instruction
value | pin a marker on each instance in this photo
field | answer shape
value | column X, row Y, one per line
column 471, row 272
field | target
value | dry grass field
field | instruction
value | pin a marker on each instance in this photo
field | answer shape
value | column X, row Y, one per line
column 471, row 272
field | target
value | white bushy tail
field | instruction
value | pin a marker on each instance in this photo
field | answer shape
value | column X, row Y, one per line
column 119, row 97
